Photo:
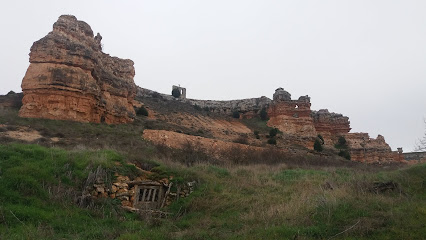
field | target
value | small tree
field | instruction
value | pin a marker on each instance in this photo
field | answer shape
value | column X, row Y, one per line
column 318, row 145
column 256, row 134
column 273, row 132
column 345, row 154
column 341, row 143
column 176, row 93
column 321, row 138
column 142, row 111
column 421, row 143
column 272, row 141
column 236, row 114
column 264, row 114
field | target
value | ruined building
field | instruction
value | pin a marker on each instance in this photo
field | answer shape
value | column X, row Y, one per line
column 182, row 91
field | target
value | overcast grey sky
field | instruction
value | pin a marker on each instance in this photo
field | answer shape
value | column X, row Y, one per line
column 365, row 59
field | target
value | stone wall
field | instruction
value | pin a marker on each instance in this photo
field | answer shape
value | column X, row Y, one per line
column 70, row 78
column 248, row 107
column 415, row 156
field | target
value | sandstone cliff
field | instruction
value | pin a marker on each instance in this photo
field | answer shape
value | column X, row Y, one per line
column 70, row 78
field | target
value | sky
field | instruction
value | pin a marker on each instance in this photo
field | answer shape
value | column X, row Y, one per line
column 365, row 59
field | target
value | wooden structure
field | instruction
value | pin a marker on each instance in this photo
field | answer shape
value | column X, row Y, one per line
column 150, row 195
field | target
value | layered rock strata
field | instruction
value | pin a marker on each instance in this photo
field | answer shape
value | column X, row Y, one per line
column 291, row 116
column 70, row 78
column 370, row 150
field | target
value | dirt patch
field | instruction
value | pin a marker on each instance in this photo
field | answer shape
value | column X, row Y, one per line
column 179, row 141
column 20, row 133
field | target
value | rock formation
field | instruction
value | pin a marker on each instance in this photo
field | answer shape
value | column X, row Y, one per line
column 11, row 100
column 70, row 78
column 370, row 150
column 291, row 116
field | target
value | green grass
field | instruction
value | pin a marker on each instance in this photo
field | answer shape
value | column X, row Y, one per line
column 38, row 186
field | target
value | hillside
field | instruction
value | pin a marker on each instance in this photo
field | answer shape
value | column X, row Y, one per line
column 243, row 195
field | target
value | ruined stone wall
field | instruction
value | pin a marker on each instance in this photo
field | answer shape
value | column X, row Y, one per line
column 415, row 156
column 247, row 107
column 70, row 78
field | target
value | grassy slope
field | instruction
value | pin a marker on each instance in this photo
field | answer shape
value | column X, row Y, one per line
column 37, row 187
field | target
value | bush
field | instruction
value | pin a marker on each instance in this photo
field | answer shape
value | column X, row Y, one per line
column 321, row 138
column 198, row 108
column 318, row 145
column 241, row 139
column 345, row 154
column 236, row 114
column 176, row 93
column 341, row 143
column 273, row 132
column 264, row 114
column 142, row 112
column 256, row 134
column 272, row 141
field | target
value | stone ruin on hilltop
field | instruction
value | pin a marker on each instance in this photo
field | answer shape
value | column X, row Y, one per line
column 70, row 78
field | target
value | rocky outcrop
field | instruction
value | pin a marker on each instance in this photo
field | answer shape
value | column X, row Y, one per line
column 11, row 100
column 330, row 125
column 371, row 150
column 70, row 78
column 215, row 147
column 291, row 116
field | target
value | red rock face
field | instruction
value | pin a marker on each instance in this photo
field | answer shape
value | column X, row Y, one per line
column 70, row 78
column 370, row 150
column 330, row 125
column 292, row 117
column 301, row 126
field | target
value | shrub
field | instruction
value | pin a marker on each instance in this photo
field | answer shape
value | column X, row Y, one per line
column 272, row 141
column 345, row 154
column 207, row 109
column 142, row 111
column 321, row 138
column 156, row 95
column 236, row 114
column 341, row 143
column 256, row 134
column 176, row 93
column 264, row 114
column 198, row 108
column 318, row 145
column 241, row 139
column 273, row 132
